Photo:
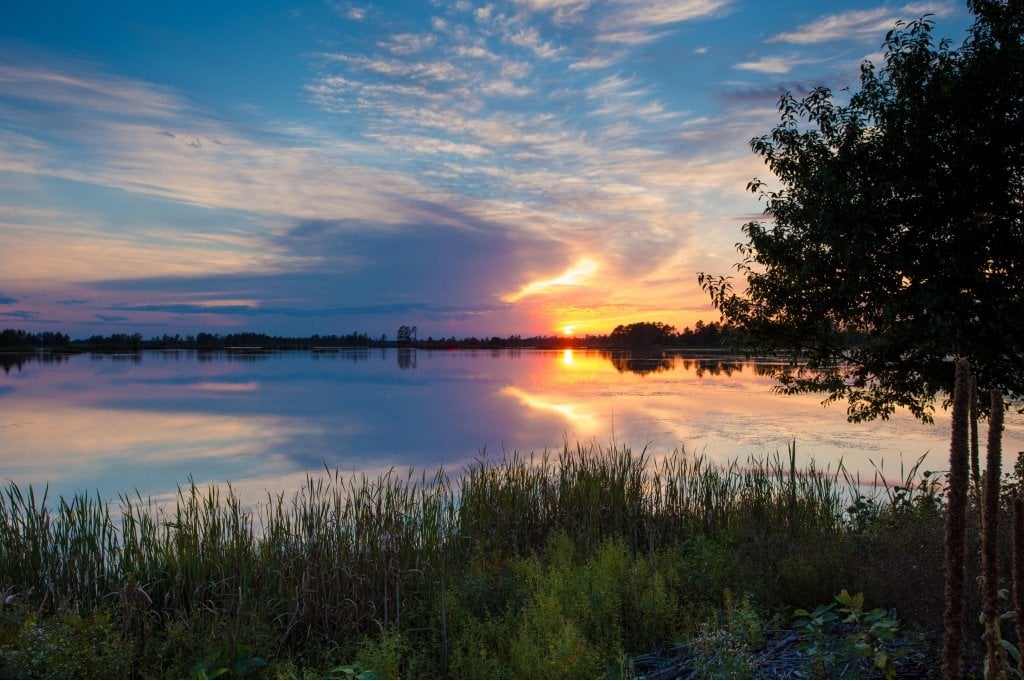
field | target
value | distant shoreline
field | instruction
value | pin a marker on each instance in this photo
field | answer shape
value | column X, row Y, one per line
column 643, row 337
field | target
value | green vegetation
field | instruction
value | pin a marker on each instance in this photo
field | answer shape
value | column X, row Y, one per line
column 599, row 563
column 650, row 335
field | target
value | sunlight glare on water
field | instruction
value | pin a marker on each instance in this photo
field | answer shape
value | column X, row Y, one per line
column 147, row 422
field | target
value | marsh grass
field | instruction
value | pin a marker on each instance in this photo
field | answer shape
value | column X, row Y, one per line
column 432, row 574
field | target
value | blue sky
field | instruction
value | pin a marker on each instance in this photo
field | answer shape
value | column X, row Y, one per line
column 325, row 167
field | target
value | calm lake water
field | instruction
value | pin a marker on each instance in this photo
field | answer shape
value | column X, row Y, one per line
column 146, row 422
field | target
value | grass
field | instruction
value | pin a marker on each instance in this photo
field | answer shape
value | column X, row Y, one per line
column 556, row 565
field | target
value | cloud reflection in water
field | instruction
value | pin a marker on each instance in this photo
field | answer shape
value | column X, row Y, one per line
column 151, row 420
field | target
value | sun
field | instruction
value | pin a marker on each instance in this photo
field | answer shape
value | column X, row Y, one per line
column 568, row 329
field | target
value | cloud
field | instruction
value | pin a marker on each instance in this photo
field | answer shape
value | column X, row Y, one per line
column 139, row 139
column 450, row 265
column 662, row 12
column 563, row 12
column 594, row 62
column 772, row 65
column 636, row 22
column 111, row 318
column 7, row 300
column 20, row 314
column 41, row 84
column 858, row 24
column 93, row 247
column 581, row 273
column 759, row 95
column 529, row 38
column 406, row 44
column 260, row 311
column 458, row 159
column 348, row 10
column 191, row 309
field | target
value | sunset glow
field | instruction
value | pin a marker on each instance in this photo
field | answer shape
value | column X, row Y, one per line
column 472, row 169
column 88, row 421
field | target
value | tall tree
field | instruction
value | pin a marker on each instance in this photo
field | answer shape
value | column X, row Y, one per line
column 894, row 240
column 406, row 335
column 641, row 335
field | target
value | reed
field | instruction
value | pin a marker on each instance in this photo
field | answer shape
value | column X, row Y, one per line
column 1017, row 572
column 347, row 557
column 975, row 447
column 989, row 542
column 956, row 527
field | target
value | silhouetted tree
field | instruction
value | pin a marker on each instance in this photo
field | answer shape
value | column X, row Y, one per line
column 641, row 335
column 896, row 240
column 406, row 335
column 18, row 338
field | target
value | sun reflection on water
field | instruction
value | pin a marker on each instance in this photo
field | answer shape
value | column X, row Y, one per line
column 84, row 423
column 580, row 416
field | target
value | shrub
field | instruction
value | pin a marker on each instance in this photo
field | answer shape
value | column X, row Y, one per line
column 65, row 646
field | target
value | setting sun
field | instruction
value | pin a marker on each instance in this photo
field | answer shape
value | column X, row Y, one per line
column 568, row 329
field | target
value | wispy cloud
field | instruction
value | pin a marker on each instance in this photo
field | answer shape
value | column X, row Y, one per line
column 773, row 65
column 461, row 153
column 19, row 314
column 859, row 24
column 406, row 44
column 647, row 13
column 563, row 12
column 41, row 84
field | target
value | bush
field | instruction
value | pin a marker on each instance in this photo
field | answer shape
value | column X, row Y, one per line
column 65, row 646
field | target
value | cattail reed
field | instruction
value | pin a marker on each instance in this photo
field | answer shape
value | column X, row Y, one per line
column 346, row 557
column 990, row 540
column 956, row 527
column 975, row 453
column 1018, row 571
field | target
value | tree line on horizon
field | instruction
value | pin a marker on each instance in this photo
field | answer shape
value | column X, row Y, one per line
column 636, row 336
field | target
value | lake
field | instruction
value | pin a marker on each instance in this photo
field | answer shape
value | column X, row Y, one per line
column 149, row 421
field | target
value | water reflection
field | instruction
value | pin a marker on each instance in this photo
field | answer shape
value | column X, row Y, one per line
column 16, row 361
column 639, row 364
column 644, row 364
column 582, row 417
column 406, row 358
column 149, row 420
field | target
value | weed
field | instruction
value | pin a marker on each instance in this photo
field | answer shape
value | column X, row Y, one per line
column 68, row 646
column 841, row 634
column 560, row 565
column 384, row 656
column 718, row 654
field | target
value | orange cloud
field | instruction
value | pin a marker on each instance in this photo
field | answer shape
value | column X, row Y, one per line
column 577, row 275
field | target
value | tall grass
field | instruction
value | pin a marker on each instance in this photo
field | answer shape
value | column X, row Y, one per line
column 349, row 556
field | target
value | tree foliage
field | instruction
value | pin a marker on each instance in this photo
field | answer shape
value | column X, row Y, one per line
column 641, row 335
column 16, row 338
column 895, row 241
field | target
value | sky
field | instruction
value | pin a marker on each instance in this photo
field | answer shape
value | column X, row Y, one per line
column 470, row 168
